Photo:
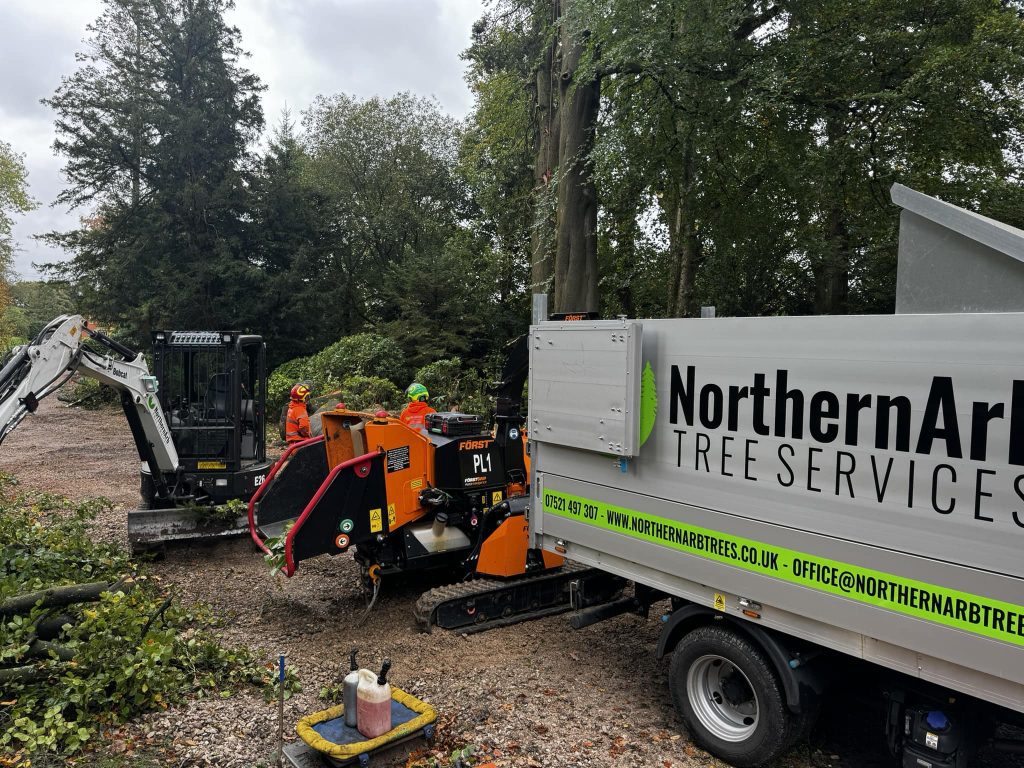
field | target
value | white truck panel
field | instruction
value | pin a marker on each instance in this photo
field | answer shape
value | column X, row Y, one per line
column 864, row 474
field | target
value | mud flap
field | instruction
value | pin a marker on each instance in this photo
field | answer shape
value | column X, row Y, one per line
column 350, row 507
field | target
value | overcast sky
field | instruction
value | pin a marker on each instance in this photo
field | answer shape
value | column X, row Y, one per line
column 299, row 49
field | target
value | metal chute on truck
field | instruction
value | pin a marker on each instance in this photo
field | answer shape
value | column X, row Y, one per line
column 803, row 486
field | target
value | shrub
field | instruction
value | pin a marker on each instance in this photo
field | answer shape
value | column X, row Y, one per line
column 454, row 388
column 366, row 355
column 361, row 393
column 132, row 651
column 281, row 381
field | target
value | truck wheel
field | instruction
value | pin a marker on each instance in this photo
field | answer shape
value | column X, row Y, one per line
column 801, row 725
column 727, row 694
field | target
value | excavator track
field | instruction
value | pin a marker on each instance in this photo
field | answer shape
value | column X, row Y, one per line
column 487, row 603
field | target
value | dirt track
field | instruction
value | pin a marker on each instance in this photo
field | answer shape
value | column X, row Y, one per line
column 538, row 694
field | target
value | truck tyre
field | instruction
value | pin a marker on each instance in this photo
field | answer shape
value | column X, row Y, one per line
column 729, row 697
column 801, row 725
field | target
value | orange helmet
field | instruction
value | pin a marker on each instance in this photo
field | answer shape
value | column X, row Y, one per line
column 300, row 393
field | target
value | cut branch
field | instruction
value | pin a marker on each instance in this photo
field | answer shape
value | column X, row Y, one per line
column 56, row 597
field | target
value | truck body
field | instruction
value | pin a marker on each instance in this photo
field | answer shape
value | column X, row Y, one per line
column 849, row 484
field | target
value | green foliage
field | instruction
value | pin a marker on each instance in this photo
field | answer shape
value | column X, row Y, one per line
column 163, row 182
column 744, row 151
column 14, row 198
column 275, row 558
column 332, row 694
column 37, row 302
column 282, row 379
column 286, row 217
column 454, row 387
column 223, row 514
column 363, row 355
column 362, row 371
column 365, row 393
column 131, row 652
column 87, row 393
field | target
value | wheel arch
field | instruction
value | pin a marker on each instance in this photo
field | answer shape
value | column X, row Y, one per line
column 801, row 686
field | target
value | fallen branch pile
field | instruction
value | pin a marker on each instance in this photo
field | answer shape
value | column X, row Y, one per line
column 87, row 639
column 47, row 626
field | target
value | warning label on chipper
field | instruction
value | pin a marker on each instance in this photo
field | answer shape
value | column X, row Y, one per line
column 961, row 610
column 398, row 458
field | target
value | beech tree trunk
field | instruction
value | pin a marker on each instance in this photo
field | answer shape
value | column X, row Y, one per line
column 56, row 597
column 832, row 270
column 576, row 272
column 684, row 247
column 542, row 235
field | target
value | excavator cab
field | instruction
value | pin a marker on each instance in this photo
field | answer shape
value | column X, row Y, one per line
column 198, row 423
column 213, row 394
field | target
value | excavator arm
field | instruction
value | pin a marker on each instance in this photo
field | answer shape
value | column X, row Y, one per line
column 38, row 369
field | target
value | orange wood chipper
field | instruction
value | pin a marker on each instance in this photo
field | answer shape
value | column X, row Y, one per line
column 450, row 496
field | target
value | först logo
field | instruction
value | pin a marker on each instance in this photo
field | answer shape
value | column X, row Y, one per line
column 474, row 445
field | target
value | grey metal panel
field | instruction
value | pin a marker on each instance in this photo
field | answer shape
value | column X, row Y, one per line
column 995, row 688
column 954, row 260
column 988, row 232
column 888, row 355
column 975, row 548
column 587, row 378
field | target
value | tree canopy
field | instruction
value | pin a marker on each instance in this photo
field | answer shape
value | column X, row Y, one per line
column 156, row 127
column 14, row 200
column 637, row 158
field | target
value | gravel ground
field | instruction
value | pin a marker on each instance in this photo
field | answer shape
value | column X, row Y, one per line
column 535, row 694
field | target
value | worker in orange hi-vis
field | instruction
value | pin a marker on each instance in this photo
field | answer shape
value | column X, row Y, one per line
column 297, row 425
column 416, row 411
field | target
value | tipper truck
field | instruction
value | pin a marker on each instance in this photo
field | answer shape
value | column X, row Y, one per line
column 806, row 487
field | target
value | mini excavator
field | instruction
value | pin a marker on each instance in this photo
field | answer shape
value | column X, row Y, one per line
column 197, row 422
column 451, row 497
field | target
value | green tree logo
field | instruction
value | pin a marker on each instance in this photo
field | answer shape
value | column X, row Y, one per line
column 648, row 403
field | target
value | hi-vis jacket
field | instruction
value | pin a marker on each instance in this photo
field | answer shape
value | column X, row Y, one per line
column 415, row 414
column 297, row 423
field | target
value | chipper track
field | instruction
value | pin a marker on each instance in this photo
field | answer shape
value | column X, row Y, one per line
column 481, row 604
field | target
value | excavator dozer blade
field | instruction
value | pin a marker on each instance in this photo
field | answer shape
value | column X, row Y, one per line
column 289, row 486
column 150, row 529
